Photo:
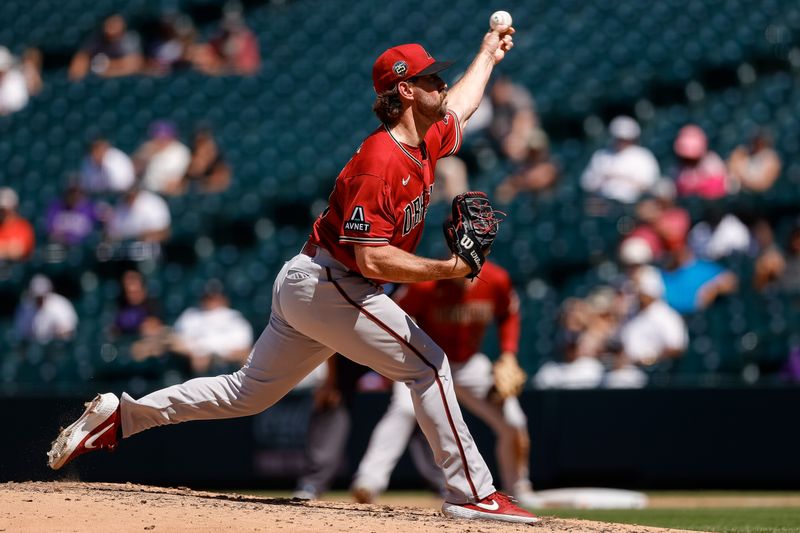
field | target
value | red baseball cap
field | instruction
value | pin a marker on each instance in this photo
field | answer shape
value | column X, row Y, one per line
column 401, row 63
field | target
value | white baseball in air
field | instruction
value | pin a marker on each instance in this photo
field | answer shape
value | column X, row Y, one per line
column 500, row 18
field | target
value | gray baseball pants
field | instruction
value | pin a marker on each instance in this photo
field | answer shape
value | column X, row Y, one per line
column 319, row 308
column 473, row 379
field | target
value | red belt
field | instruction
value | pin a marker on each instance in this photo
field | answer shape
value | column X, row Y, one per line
column 309, row 249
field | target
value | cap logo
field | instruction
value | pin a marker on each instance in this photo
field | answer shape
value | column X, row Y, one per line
column 400, row 68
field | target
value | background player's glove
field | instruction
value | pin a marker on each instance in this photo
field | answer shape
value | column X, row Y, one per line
column 509, row 378
column 471, row 229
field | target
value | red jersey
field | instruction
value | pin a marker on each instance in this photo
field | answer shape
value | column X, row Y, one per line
column 456, row 313
column 381, row 195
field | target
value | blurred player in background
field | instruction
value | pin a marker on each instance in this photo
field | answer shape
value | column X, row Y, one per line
column 329, row 426
column 456, row 314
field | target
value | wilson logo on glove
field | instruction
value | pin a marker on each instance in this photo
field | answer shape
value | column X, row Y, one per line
column 472, row 221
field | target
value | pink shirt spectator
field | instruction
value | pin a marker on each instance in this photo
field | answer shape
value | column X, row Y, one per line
column 707, row 179
column 701, row 172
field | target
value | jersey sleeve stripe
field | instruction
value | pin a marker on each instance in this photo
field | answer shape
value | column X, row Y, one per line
column 457, row 126
column 366, row 240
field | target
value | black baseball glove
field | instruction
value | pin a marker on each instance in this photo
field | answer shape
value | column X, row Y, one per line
column 471, row 229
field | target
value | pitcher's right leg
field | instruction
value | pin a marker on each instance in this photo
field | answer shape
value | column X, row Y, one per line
column 281, row 357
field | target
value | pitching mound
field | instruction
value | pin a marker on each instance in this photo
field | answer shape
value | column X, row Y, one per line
column 80, row 507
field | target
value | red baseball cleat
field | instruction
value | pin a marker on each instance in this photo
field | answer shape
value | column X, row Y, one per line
column 95, row 429
column 495, row 506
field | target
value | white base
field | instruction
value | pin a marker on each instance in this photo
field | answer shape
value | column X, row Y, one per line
column 591, row 498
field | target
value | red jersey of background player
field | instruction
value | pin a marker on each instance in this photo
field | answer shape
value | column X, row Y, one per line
column 456, row 312
column 381, row 195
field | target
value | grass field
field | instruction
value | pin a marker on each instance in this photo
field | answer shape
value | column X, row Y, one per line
column 717, row 511
column 721, row 519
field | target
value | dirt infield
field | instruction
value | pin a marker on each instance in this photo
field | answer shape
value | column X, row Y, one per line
column 83, row 507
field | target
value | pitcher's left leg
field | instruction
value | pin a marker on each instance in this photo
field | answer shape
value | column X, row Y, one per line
column 368, row 327
column 473, row 380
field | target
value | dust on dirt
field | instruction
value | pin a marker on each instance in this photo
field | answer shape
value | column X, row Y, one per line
column 122, row 508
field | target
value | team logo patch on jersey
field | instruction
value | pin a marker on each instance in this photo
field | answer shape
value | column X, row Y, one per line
column 400, row 68
column 357, row 221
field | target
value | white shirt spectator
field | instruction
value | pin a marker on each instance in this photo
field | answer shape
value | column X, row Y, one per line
column 481, row 119
column 221, row 331
column 13, row 91
column 13, row 88
column 147, row 213
column 655, row 330
column 730, row 236
column 54, row 319
column 167, row 167
column 583, row 373
column 621, row 175
column 115, row 173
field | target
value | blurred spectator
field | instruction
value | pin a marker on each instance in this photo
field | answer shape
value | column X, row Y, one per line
column 791, row 368
column 207, row 168
column 71, row 218
column 106, row 169
column 655, row 333
column 234, row 50
column 163, row 160
column 477, row 150
column 451, row 179
column 43, row 315
column 139, row 215
column 587, row 327
column 114, row 51
column 692, row 284
column 513, row 118
column 756, row 166
column 770, row 263
column 625, row 171
column 635, row 251
column 647, row 234
column 16, row 234
column 604, row 319
column 662, row 224
column 13, row 88
column 480, row 119
column 719, row 235
column 212, row 330
column 137, row 312
column 32, row 70
column 790, row 280
column 170, row 47
column 536, row 173
column 701, row 172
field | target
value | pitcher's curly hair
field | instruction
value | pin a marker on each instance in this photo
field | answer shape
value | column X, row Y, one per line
column 388, row 106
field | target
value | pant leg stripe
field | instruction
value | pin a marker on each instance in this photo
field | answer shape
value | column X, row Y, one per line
column 416, row 352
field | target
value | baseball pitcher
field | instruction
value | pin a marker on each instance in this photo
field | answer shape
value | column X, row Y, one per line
column 329, row 299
